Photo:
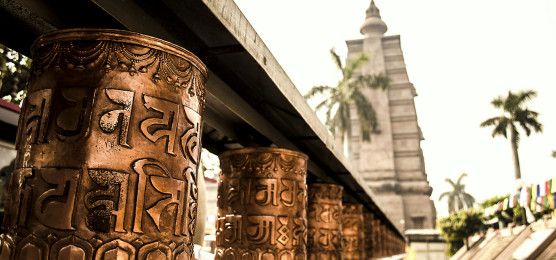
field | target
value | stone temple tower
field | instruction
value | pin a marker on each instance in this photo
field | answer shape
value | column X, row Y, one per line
column 392, row 163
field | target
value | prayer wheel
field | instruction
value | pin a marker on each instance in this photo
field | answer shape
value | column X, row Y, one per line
column 262, row 200
column 353, row 233
column 107, row 150
column 368, row 232
column 324, row 221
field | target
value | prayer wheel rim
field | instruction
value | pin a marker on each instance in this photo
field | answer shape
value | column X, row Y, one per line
column 263, row 150
column 116, row 35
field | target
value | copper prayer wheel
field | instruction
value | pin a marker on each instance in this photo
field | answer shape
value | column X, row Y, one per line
column 353, row 234
column 262, row 199
column 108, row 149
column 368, row 232
column 324, row 221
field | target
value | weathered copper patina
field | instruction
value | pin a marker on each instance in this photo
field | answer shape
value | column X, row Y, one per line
column 324, row 221
column 262, row 198
column 353, row 234
column 108, row 149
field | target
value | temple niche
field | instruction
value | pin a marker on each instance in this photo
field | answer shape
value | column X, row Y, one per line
column 392, row 164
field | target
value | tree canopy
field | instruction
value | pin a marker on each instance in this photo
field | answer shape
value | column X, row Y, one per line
column 14, row 72
column 514, row 113
column 457, row 227
column 457, row 198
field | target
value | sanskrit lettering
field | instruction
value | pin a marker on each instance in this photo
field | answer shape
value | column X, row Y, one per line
column 54, row 207
column 261, row 229
column 191, row 140
column 155, row 128
column 110, row 200
column 36, row 113
column 159, row 178
column 73, row 123
column 110, row 120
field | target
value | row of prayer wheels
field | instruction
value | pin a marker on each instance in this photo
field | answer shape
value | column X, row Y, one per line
column 108, row 149
column 266, row 211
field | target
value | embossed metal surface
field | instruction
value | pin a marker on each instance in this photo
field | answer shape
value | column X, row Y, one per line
column 108, row 146
column 262, row 199
column 324, row 221
column 352, row 232
column 368, row 218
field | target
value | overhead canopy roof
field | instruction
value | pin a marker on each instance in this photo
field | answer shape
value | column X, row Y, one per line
column 250, row 100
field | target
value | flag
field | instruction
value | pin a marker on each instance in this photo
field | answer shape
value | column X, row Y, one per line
column 505, row 204
column 523, row 196
column 513, row 198
column 547, row 187
column 542, row 189
column 553, row 185
column 529, row 215
column 545, row 202
column 550, row 199
column 538, row 204
column 534, row 190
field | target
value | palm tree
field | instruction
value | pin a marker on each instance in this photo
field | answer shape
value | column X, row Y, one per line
column 457, row 198
column 514, row 113
column 350, row 91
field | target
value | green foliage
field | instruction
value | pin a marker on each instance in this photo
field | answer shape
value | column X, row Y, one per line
column 457, row 198
column 460, row 225
column 14, row 72
column 349, row 91
column 517, row 214
column 493, row 200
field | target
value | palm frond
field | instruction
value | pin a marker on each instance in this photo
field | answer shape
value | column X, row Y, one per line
column 337, row 60
column 366, row 114
column 498, row 102
column 525, row 95
column 450, row 181
column 355, row 64
column 461, row 177
column 451, row 203
column 501, row 127
column 444, row 194
column 323, row 89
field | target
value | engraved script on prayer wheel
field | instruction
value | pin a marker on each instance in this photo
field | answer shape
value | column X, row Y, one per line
column 368, row 232
column 262, row 198
column 324, row 221
column 108, row 149
column 353, row 234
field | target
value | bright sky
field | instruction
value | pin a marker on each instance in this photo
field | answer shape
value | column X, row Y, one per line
column 459, row 55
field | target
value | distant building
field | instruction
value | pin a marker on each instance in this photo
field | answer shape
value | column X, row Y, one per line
column 392, row 163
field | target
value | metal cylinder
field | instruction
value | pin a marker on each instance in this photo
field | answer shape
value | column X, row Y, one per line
column 353, row 235
column 368, row 218
column 324, row 221
column 262, row 199
column 108, row 149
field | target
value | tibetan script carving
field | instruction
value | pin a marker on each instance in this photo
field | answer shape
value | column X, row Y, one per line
column 35, row 115
column 110, row 120
column 261, row 205
column 353, row 234
column 324, row 220
column 108, row 146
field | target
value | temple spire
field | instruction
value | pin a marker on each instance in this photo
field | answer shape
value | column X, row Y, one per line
column 373, row 25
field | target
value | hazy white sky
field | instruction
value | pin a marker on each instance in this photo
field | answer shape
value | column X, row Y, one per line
column 459, row 55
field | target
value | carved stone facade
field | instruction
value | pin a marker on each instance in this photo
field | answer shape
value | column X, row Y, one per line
column 107, row 150
column 392, row 163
